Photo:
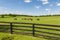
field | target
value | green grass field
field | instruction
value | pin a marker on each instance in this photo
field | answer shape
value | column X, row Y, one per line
column 42, row 20
column 7, row 36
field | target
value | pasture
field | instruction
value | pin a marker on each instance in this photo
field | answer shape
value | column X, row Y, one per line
column 42, row 20
column 55, row 20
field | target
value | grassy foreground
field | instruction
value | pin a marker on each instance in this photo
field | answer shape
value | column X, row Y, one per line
column 7, row 36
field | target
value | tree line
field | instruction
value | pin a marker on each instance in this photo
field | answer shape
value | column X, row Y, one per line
column 14, row 15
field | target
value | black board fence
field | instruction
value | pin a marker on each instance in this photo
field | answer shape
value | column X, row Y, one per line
column 11, row 29
column 42, row 31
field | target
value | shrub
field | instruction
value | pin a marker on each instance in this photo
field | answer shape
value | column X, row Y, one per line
column 2, row 16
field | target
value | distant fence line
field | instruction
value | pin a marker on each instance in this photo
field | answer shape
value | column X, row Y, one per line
column 11, row 28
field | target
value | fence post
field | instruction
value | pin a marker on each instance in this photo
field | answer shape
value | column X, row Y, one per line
column 33, row 30
column 11, row 28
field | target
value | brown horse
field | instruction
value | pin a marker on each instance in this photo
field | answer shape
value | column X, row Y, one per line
column 27, row 19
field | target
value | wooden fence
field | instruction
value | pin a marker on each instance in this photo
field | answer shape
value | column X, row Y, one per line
column 31, row 29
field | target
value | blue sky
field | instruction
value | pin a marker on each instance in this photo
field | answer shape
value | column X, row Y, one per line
column 30, row 7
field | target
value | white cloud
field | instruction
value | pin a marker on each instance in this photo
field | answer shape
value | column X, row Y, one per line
column 27, row 1
column 44, row 1
column 58, row 4
column 47, row 9
column 37, row 7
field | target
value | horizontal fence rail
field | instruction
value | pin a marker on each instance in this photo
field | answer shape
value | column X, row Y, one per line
column 31, row 28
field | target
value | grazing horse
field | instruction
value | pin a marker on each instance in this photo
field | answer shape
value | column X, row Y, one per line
column 15, row 18
column 27, row 19
column 38, row 19
column 31, row 19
